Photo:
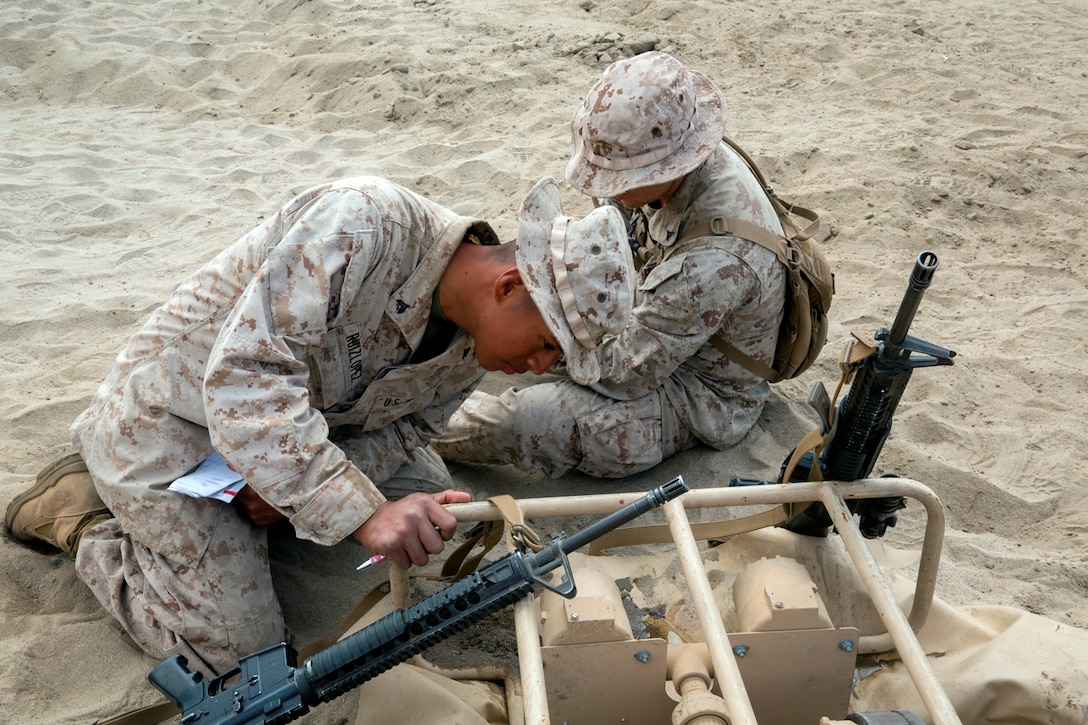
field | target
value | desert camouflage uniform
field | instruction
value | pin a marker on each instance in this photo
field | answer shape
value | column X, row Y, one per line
column 307, row 322
column 664, row 387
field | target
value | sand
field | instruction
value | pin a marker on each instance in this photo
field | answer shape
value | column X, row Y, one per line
column 137, row 139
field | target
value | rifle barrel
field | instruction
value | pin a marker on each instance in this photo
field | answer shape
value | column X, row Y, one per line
column 660, row 495
column 920, row 277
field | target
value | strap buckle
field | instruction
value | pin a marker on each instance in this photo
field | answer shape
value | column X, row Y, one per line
column 793, row 255
column 722, row 226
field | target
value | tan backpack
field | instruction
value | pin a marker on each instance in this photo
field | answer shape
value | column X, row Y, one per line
column 809, row 279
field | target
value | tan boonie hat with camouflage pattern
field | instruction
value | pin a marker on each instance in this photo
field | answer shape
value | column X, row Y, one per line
column 648, row 120
column 579, row 273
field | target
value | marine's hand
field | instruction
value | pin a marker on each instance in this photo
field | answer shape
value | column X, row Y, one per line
column 408, row 531
column 254, row 508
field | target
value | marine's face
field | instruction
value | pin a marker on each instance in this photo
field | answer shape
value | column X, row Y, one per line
column 514, row 337
column 635, row 198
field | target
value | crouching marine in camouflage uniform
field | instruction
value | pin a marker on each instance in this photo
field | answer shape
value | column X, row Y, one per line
column 648, row 139
column 353, row 321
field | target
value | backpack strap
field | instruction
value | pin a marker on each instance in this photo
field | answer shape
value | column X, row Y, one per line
column 784, row 209
column 725, row 226
column 781, row 245
column 745, row 360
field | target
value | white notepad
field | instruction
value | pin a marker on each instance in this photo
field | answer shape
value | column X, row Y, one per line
column 213, row 478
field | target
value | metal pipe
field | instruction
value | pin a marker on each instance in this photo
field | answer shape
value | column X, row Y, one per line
column 399, row 587
column 531, row 663
column 906, row 644
column 772, row 493
column 702, row 599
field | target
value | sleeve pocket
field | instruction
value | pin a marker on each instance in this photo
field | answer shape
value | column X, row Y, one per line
column 298, row 285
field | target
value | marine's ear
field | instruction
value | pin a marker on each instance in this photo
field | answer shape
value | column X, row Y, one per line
column 507, row 283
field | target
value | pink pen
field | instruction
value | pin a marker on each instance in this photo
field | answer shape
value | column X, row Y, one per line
column 372, row 560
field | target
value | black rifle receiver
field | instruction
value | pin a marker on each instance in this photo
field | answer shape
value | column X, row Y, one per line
column 266, row 687
column 865, row 414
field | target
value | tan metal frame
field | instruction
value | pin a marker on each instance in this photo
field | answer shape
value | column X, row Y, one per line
column 901, row 627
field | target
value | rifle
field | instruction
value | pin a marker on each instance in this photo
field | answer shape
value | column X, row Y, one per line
column 865, row 414
column 267, row 687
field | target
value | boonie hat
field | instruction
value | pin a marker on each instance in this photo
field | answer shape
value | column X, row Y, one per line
column 648, row 120
column 579, row 272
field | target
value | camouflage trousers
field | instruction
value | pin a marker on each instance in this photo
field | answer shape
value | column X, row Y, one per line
column 211, row 613
column 221, row 607
column 556, row 427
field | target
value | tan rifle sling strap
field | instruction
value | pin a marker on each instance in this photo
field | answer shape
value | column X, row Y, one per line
column 700, row 530
column 150, row 715
column 457, row 565
column 854, row 353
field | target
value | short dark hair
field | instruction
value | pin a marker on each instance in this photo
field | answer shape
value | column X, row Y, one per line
column 505, row 253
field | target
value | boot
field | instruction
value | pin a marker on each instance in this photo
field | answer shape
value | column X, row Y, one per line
column 59, row 507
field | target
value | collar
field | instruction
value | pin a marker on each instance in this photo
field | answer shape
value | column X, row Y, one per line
column 665, row 223
column 410, row 305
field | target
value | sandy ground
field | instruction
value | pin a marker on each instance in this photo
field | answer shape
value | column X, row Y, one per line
column 137, row 139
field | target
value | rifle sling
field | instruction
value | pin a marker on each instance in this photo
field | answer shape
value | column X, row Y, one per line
column 854, row 353
column 150, row 715
column 706, row 530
